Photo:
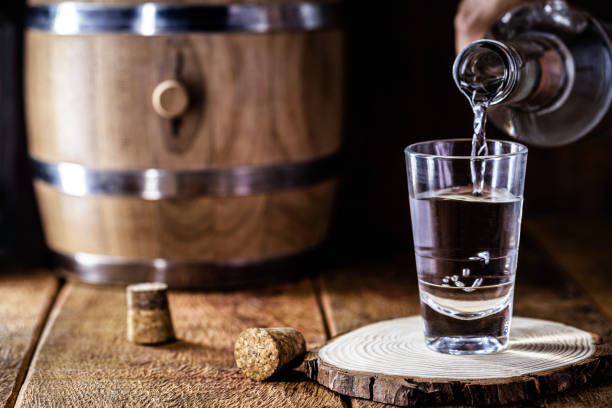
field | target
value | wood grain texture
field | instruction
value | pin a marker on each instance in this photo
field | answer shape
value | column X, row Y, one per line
column 200, row 229
column 355, row 295
column 25, row 299
column 83, row 358
column 388, row 289
column 580, row 247
column 255, row 98
column 388, row 362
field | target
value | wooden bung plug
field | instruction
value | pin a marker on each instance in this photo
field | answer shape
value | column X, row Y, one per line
column 261, row 353
column 170, row 99
column 148, row 316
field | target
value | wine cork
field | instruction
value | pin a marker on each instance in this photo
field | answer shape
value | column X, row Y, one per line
column 148, row 316
column 261, row 353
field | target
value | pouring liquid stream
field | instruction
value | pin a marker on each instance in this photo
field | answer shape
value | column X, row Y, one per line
column 481, row 92
column 479, row 144
column 481, row 77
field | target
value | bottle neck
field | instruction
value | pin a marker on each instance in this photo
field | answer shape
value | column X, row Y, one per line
column 530, row 73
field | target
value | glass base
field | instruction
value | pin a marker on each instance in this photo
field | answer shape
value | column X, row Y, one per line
column 467, row 344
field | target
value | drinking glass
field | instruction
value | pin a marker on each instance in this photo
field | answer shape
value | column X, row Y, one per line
column 466, row 240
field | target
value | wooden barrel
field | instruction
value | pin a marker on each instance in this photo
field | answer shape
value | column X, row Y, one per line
column 194, row 143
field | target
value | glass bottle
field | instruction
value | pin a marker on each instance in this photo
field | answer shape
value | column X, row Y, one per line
column 545, row 68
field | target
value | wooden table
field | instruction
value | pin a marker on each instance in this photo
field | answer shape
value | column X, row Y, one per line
column 63, row 343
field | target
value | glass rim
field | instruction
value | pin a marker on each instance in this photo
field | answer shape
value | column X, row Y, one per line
column 410, row 149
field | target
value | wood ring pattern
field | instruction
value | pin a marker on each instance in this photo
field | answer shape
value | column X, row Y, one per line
column 389, row 362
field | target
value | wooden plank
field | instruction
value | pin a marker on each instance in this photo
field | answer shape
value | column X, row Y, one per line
column 580, row 246
column 356, row 295
column 543, row 292
column 25, row 299
column 84, row 358
column 353, row 297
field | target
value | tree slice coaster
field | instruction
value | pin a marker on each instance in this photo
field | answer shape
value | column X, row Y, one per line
column 388, row 362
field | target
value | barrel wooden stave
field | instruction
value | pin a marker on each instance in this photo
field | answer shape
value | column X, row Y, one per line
column 257, row 99
column 203, row 229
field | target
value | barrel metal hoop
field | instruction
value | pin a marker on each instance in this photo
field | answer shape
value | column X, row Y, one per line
column 103, row 269
column 71, row 18
column 156, row 184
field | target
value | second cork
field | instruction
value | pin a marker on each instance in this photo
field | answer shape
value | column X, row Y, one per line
column 260, row 353
column 148, row 316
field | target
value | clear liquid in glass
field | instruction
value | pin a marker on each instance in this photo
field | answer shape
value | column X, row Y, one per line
column 466, row 250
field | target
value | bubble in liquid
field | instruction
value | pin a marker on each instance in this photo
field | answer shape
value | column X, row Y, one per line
column 483, row 256
column 455, row 278
column 508, row 265
column 445, row 279
column 475, row 284
column 459, row 284
column 465, row 272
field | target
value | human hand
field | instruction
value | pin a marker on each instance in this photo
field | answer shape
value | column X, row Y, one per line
column 475, row 17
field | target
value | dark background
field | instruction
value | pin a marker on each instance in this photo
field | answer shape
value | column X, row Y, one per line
column 399, row 91
column 20, row 231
